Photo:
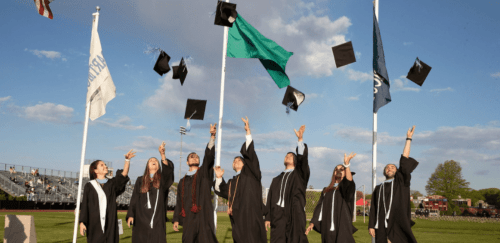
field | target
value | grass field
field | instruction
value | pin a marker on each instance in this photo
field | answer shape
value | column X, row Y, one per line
column 58, row 228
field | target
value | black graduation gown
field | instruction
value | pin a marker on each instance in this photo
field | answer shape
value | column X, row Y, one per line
column 247, row 222
column 89, row 210
column 342, row 214
column 198, row 227
column 142, row 231
column 399, row 223
column 288, row 224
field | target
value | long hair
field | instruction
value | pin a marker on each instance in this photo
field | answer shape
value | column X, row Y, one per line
column 92, row 168
column 332, row 187
column 146, row 181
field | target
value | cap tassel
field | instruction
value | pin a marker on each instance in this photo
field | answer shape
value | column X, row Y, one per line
column 192, row 115
column 288, row 106
column 231, row 19
column 419, row 65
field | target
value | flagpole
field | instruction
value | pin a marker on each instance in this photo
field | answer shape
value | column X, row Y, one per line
column 374, row 149
column 84, row 147
column 221, row 110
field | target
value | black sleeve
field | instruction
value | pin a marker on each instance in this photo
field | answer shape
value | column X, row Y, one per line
column 317, row 210
column 303, row 165
column 250, row 160
column 224, row 189
column 84, row 207
column 120, row 182
column 178, row 205
column 373, row 209
column 406, row 167
column 167, row 176
column 207, row 168
column 348, row 189
column 134, row 201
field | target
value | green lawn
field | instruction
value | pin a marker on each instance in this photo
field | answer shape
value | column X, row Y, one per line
column 58, row 227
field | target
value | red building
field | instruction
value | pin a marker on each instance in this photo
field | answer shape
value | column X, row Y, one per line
column 435, row 202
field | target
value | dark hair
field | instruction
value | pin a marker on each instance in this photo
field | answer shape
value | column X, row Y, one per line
column 187, row 158
column 92, row 168
column 331, row 187
column 386, row 168
column 294, row 158
column 146, row 181
column 239, row 157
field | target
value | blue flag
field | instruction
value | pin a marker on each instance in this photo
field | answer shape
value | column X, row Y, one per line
column 381, row 95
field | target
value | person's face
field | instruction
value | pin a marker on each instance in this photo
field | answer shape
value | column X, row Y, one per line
column 101, row 169
column 339, row 172
column 288, row 159
column 237, row 164
column 193, row 160
column 153, row 165
column 390, row 171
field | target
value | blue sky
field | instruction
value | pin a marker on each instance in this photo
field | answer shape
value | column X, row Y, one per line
column 44, row 65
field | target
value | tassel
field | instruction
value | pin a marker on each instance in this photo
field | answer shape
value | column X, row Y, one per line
column 288, row 106
column 183, row 213
column 195, row 208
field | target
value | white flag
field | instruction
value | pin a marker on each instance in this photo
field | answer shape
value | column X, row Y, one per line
column 101, row 88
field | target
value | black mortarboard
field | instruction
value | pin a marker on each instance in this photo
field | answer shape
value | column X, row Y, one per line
column 195, row 109
column 226, row 14
column 344, row 54
column 180, row 72
column 418, row 73
column 161, row 66
column 293, row 98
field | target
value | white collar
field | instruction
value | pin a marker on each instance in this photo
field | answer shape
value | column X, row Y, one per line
column 190, row 173
column 239, row 172
column 289, row 170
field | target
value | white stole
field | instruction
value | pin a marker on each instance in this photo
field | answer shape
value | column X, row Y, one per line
column 156, row 203
column 103, row 204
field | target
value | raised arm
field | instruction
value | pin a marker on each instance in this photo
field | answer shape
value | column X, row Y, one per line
column 409, row 134
column 206, row 169
column 167, row 169
column 302, row 156
column 220, row 186
column 347, row 165
column 126, row 166
column 251, row 161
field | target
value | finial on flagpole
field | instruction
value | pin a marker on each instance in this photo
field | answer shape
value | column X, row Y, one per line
column 97, row 8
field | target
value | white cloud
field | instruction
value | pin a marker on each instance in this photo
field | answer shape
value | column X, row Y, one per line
column 123, row 122
column 359, row 76
column 495, row 75
column 48, row 54
column 48, row 112
column 3, row 99
column 407, row 43
column 401, row 84
column 441, row 90
column 354, row 97
column 313, row 96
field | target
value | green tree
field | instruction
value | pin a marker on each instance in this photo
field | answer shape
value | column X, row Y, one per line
column 368, row 196
column 415, row 194
column 447, row 180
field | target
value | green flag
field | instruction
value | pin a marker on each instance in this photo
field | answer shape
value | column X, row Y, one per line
column 244, row 41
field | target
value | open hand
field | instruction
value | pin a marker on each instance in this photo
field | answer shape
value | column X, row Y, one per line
column 409, row 134
column 300, row 133
column 161, row 149
column 348, row 158
column 130, row 221
column 311, row 226
column 213, row 129
column 130, row 154
column 219, row 172
column 247, row 126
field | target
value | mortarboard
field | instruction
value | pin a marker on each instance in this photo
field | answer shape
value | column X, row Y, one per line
column 180, row 72
column 195, row 109
column 343, row 54
column 161, row 65
column 226, row 14
column 418, row 73
column 293, row 98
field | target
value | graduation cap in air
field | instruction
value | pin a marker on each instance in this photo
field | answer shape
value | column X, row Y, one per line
column 343, row 54
column 161, row 65
column 293, row 98
column 180, row 72
column 226, row 14
column 195, row 109
column 418, row 73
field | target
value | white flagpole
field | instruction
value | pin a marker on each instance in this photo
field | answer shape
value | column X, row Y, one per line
column 221, row 110
column 84, row 146
column 374, row 149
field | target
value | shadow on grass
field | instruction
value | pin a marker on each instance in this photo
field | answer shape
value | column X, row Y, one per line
column 63, row 223
column 176, row 232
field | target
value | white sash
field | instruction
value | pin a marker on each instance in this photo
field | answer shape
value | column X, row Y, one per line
column 102, row 202
column 156, row 203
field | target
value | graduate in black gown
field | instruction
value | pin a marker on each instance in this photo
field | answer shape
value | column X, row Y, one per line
column 194, row 210
column 286, row 198
column 333, row 214
column 244, row 193
column 98, row 216
column 390, row 211
column 147, row 206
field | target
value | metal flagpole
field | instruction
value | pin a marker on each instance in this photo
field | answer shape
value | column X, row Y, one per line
column 221, row 110
column 364, row 204
column 374, row 149
column 84, row 146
